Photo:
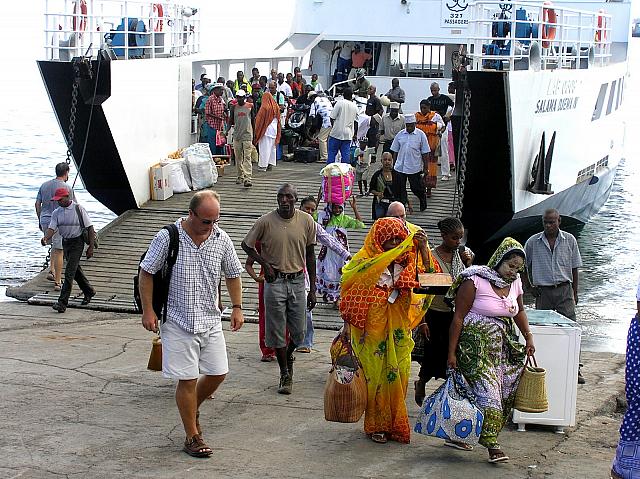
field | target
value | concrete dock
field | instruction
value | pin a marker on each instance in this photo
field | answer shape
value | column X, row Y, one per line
column 114, row 264
column 77, row 401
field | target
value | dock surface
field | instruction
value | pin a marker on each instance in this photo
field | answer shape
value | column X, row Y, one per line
column 123, row 241
column 78, row 402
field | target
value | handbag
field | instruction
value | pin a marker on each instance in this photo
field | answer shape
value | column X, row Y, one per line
column 345, row 391
column 155, row 357
column 221, row 140
column 451, row 412
column 531, row 395
column 85, row 230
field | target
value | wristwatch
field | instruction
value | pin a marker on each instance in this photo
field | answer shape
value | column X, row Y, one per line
column 237, row 306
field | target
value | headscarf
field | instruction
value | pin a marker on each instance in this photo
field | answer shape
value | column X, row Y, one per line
column 361, row 275
column 269, row 110
column 328, row 213
column 488, row 272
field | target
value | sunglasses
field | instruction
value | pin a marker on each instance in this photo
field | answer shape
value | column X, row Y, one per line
column 205, row 221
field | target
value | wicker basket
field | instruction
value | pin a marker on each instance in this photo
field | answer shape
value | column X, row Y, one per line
column 531, row 395
column 345, row 402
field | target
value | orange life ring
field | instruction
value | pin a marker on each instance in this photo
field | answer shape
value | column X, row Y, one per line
column 601, row 34
column 81, row 25
column 549, row 19
column 159, row 13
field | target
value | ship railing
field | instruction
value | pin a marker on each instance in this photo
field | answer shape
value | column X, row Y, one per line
column 523, row 35
column 129, row 29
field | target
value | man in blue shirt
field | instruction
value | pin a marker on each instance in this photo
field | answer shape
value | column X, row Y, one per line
column 410, row 148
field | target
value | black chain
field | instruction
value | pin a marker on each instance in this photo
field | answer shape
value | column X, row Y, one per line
column 72, row 116
column 464, row 142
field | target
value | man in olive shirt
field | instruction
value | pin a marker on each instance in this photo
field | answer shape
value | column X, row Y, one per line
column 240, row 118
column 287, row 237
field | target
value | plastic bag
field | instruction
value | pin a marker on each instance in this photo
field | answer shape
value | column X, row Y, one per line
column 200, row 163
column 178, row 176
column 337, row 183
column 451, row 412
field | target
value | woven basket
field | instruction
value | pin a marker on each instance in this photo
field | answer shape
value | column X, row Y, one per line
column 531, row 395
column 345, row 402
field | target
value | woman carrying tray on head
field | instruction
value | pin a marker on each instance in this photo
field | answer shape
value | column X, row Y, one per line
column 380, row 308
column 435, row 326
column 483, row 344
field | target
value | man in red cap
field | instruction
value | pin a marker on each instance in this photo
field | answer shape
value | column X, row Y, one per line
column 66, row 221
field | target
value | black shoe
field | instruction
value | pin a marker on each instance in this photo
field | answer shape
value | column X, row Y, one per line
column 87, row 298
column 423, row 206
column 60, row 308
column 286, row 384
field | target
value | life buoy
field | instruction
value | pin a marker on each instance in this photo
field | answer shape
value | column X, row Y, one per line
column 549, row 19
column 158, row 13
column 601, row 33
column 80, row 21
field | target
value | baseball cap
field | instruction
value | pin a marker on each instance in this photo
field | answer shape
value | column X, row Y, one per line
column 60, row 193
column 241, row 93
column 394, row 105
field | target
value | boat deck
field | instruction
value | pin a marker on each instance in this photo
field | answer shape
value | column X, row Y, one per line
column 123, row 241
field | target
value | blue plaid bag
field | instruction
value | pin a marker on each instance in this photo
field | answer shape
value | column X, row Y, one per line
column 451, row 412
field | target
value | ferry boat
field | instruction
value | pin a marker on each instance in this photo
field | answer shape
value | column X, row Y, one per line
column 539, row 90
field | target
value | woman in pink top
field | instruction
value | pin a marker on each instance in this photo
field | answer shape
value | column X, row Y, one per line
column 483, row 344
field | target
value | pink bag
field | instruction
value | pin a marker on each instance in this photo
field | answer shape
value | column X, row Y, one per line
column 337, row 189
column 221, row 140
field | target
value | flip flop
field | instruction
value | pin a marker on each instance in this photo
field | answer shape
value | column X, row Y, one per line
column 378, row 437
column 459, row 445
column 497, row 456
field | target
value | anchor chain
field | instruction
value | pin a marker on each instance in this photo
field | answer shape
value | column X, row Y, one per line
column 463, row 151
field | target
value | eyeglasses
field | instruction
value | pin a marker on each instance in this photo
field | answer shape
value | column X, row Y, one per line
column 205, row 221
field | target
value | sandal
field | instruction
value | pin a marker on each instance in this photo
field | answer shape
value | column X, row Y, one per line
column 379, row 437
column 267, row 358
column 497, row 455
column 57, row 286
column 50, row 276
column 459, row 445
column 420, row 394
column 196, row 447
column 303, row 349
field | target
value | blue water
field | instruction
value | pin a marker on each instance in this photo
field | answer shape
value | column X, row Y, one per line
column 31, row 144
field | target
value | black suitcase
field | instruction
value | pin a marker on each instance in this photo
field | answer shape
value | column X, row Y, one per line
column 305, row 154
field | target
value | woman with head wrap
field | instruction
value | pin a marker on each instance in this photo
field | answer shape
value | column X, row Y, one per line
column 430, row 122
column 335, row 222
column 483, row 344
column 267, row 131
column 380, row 308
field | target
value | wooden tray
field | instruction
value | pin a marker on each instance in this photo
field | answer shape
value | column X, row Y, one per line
column 433, row 283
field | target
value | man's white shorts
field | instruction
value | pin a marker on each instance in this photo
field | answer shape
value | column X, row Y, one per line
column 186, row 355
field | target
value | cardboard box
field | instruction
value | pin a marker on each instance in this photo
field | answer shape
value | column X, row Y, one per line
column 161, row 187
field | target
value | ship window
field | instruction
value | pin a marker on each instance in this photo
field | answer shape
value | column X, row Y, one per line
column 285, row 66
column 597, row 110
column 417, row 60
column 234, row 68
column 611, row 96
column 263, row 67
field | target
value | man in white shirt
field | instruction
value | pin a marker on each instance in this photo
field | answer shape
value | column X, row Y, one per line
column 322, row 108
column 410, row 148
column 284, row 87
column 343, row 117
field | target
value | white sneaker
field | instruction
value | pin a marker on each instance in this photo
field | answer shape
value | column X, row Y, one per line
column 445, row 177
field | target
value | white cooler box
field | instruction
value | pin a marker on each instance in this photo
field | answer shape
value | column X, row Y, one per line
column 557, row 341
column 161, row 188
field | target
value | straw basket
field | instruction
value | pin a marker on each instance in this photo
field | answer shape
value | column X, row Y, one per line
column 155, row 358
column 531, row 395
column 345, row 402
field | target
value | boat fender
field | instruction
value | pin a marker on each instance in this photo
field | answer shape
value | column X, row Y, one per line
column 601, row 34
column 80, row 21
column 158, row 13
column 549, row 19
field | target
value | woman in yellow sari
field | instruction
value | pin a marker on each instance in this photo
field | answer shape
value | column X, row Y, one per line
column 380, row 309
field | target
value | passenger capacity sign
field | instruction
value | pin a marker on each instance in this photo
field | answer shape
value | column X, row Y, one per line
column 455, row 14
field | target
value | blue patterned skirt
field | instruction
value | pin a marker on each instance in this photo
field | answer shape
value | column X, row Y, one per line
column 627, row 460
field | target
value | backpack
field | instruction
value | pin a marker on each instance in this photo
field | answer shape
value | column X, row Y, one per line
column 161, row 279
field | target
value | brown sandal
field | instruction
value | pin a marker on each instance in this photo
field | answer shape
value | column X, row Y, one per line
column 379, row 437
column 196, row 447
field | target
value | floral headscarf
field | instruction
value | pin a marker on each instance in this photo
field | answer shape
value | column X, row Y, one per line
column 360, row 276
column 487, row 272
